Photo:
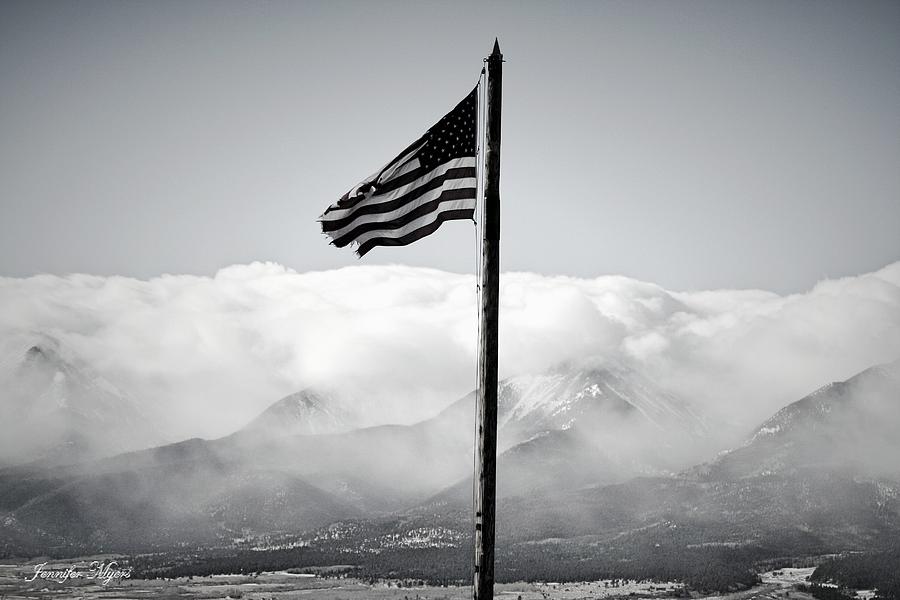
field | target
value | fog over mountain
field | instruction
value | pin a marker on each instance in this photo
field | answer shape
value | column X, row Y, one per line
column 57, row 410
column 638, row 429
column 203, row 356
column 587, row 455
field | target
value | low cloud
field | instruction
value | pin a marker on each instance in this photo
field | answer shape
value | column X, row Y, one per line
column 208, row 353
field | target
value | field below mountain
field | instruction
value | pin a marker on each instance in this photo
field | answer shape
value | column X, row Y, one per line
column 340, row 582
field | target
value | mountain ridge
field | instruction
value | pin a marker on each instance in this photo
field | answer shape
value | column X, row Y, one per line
column 57, row 410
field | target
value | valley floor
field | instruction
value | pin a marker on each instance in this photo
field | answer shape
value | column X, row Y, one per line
column 14, row 585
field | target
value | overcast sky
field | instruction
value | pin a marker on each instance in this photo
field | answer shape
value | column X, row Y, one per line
column 697, row 145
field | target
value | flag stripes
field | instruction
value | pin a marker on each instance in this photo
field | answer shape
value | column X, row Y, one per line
column 432, row 181
column 409, row 238
column 418, row 220
column 392, row 197
column 457, row 189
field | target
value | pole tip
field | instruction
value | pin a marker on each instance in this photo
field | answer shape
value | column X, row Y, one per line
column 496, row 46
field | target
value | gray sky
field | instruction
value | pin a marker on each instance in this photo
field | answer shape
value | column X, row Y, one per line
column 693, row 144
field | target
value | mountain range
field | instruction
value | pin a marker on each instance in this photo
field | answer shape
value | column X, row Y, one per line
column 594, row 460
column 822, row 474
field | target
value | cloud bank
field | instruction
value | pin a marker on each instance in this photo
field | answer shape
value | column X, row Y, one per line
column 208, row 353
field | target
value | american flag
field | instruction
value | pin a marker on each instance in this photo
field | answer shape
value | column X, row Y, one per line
column 433, row 180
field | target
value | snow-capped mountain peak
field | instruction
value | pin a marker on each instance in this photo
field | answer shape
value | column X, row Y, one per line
column 566, row 396
column 307, row 412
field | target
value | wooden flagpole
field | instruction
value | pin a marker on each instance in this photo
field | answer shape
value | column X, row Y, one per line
column 486, row 467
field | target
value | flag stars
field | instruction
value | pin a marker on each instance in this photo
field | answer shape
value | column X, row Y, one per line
column 453, row 136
